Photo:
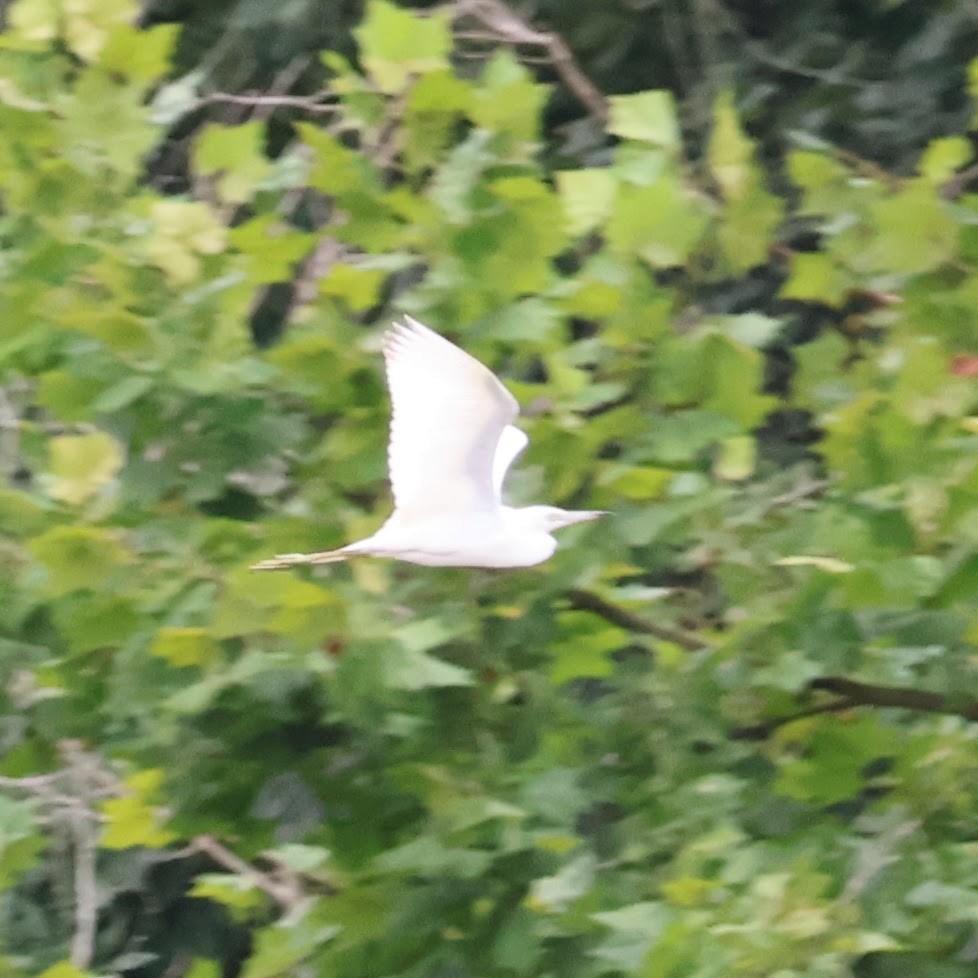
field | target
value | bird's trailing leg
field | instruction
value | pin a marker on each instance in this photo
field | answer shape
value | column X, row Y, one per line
column 283, row 561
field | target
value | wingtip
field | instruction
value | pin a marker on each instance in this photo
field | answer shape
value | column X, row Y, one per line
column 403, row 331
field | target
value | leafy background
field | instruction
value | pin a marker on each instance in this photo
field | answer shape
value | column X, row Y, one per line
column 724, row 253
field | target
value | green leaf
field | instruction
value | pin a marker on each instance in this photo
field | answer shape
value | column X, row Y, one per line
column 84, row 25
column 123, row 393
column 22, row 840
column 944, row 157
column 636, row 482
column 77, row 557
column 396, row 44
column 646, row 116
column 661, row 223
column 426, row 856
column 235, row 157
column 510, row 253
column 736, row 459
column 235, row 892
column 583, row 646
column 730, row 151
column 186, row 647
column 360, row 287
column 435, row 103
column 551, row 894
column 836, row 757
column 914, row 233
column 751, row 214
column 750, row 328
column 132, row 820
column 507, row 100
column 817, row 276
column 203, row 968
column 273, row 247
column 142, row 55
column 736, row 377
column 281, row 947
column 97, row 622
column 410, row 669
column 587, row 196
column 720, row 375
column 80, row 466
column 63, row 970
column 748, row 225
column 635, row 929
column 182, row 231
column 340, row 171
column 68, row 396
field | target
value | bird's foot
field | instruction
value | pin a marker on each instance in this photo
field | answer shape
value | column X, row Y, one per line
column 283, row 561
column 280, row 562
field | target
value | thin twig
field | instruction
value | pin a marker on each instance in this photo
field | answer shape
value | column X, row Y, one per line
column 319, row 103
column 68, row 798
column 507, row 27
column 588, row 601
column 83, row 828
column 9, row 435
column 385, row 148
column 314, row 268
column 282, row 82
column 956, row 185
column 833, row 76
column 761, row 731
column 285, row 895
column 798, row 494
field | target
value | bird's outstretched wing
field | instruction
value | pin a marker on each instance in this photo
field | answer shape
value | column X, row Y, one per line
column 512, row 441
column 448, row 414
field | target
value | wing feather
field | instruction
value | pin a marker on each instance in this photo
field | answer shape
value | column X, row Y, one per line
column 512, row 441
column 448, row 414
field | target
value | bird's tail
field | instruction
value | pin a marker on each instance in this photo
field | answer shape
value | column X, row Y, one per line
column 282, row 561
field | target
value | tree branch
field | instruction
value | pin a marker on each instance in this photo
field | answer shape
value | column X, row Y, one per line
column 506, row 26
column 68, row 796
column 588, row 601
column 851, row 694
column 958, row 184
column 286, row 894
column 319, row 103
column 867, row 694
column 803, row 491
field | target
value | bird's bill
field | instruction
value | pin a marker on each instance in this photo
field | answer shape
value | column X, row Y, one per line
column 583, row 515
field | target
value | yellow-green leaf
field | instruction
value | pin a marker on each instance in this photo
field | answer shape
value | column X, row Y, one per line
column 77, row 557
column 184, row 230
column 63, row 970
column 736, row 459
column 236, row 156
column 142, row 55
column 730, row 150
column 587, row 197
column 132, row 820
column 646, row 116
column 396, row 44
column 80, row 465
column 186, row 647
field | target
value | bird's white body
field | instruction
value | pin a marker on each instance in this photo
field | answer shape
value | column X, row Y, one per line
column 505, row 538
column 451, row 443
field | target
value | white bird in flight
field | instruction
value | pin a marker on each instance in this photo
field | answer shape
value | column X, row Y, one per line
column 451, row 443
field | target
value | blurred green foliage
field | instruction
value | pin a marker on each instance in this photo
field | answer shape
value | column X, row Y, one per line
column 729, row 731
